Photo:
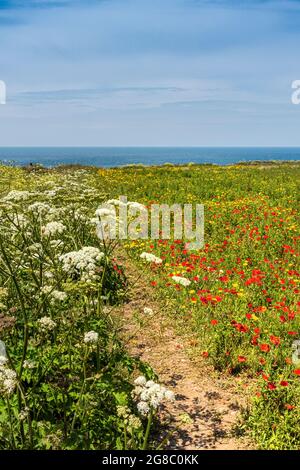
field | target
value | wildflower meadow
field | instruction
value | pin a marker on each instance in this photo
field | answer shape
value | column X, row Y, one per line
column 67, row 380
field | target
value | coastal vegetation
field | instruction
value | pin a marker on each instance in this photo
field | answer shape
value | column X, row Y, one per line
column 67, row 380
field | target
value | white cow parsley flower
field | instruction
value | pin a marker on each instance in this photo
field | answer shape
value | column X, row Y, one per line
column 91, row 337
column 181, row 280
column 53, row 228
column 16, row 196
column 149, row 395
column 28, row 364
column 46, row 324
column 150, row 258
column 82, row 262
column 39, row 208
column 8, row 380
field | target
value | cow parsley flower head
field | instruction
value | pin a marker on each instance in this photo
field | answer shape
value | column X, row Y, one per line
column 46, row 324
column 59, row 296
column 83, row 262
column 116, row 202
column 39, row 208
column 16, row 196
column 150, row 395
column 106, row 222
column 105, row 211
column 181, row 280
column 3, row 360
column 91, row 337
column 151, row 258
column 140, row 381
column 28, row 364
column 19, row 221
column 143, row 408
column 48, row 275
column 8, row 380
column 46, row 289
column 52, row 228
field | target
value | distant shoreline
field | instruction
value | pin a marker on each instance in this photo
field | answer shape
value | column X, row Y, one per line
column 62, row 166
column 109, row 157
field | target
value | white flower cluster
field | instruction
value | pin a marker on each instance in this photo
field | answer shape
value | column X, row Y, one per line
column 29, row 364
column 109, row 223
column 91, row 337
column 52, row 228
column 148, row 311
column 150, row 395
column 181, row 280
column 59, row 296
column 106, row 222
column 20, row 221
column 116, row 202
column 136, row 205
column 105, row 212
column 8, row 378
column 124, row 203
column 56, row 243
column 55, row 213
column 3, row 360
column 36, row 249
column 50, row 193
column 16, row 196
column 56, row 295
column 83, row 261
column 150, row 258
column 46, row 289
column 46, row 324
column 48, row 275
column 39, row 208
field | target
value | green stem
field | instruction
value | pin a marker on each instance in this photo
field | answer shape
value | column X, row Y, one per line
column 13, row 442
column 150, row 417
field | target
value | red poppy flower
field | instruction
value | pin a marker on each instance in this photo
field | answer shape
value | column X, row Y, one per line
column 265, row 377
column 289, row 407
column 214, row 322
column 271, row 386
column 265, row 347
column 297, row 371
column 242, row 328
column 242, row 359
column 284, row 383
column 275, row 340
column 205, row 354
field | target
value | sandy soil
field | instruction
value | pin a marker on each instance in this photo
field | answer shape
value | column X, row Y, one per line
column 207, row 406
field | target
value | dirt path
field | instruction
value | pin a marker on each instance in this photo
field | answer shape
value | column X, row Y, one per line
column 206, row 408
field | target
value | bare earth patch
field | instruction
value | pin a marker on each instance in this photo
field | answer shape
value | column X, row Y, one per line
column 207, row 407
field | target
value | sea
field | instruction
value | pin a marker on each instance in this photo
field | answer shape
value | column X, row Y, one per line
column 120, row 156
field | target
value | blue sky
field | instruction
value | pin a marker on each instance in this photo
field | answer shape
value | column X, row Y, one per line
column 149, row 72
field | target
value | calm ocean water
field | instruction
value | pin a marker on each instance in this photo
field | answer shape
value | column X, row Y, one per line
column 116, row 156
